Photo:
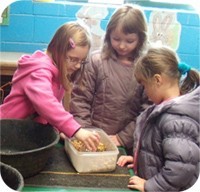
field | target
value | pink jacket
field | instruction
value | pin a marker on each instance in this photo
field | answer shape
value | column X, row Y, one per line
column 36, row 88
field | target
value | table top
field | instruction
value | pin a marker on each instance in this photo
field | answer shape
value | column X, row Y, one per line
column 8, row 62
column 59, row 175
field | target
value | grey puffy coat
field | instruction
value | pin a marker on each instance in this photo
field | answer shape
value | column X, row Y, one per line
column 169, row 152
column 111, row 98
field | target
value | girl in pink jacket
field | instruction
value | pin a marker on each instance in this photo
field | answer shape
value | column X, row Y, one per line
column 40, row 80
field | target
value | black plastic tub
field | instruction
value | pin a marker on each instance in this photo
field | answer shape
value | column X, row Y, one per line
column 26, row 145
column 11, row 177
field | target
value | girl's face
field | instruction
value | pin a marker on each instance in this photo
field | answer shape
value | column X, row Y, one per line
column 123, row 43
column 152, row 89
column 75, row 58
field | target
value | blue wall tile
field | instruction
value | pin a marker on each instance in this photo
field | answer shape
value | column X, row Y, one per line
column 22, row 47
column 20, row 29
column 189, row 40
column 46, row 9
column 22, row 7
column 45, row 27
column 32, row 25
column 192, row 60
column 189, row 19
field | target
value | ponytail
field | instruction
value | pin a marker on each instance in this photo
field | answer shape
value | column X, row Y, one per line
column 191, row 81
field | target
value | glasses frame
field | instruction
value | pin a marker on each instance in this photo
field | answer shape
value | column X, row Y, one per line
column 75, row 60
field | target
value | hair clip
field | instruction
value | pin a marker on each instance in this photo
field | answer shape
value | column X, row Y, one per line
column 183, row 68
column 71, row 41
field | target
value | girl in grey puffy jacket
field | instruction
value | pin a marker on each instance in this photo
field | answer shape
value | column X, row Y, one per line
column 166, row 153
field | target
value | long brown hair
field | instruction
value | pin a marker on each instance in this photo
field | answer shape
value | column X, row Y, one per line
column 60, row 45
column 164, row 60
column 131, row 19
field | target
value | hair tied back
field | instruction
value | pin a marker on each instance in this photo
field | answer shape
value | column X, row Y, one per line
column 72, row 43
column 183, row 68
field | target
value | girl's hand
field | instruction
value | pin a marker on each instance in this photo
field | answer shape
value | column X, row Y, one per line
column 136, row 182
column 63, row 136
column 115, row 140
column 124, row 159
column 89, row 138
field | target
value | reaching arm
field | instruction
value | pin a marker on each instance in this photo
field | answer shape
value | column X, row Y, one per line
column 39, row 91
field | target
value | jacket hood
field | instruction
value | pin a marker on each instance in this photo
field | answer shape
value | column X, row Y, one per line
column 187, row 105
column 29, row 63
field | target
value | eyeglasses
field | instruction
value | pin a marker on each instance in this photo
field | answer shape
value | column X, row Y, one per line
column 75, row 60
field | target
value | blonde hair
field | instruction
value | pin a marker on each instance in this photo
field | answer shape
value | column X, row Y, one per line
column 131, row 19
column 163, row 60
column 60, row 45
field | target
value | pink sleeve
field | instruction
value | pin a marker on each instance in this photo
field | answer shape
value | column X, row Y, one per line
column 39, row 91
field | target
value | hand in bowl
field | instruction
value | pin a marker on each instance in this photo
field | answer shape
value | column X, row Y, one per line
column 89, row 138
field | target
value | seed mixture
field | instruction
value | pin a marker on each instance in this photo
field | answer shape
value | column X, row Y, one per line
column 79, row 146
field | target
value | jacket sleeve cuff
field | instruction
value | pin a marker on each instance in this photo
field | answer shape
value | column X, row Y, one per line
column 120, row 141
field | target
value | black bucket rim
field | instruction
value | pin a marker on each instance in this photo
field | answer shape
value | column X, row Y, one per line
column 18, row 174
column 32, row 150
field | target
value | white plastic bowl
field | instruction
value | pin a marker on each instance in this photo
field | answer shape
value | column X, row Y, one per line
column 85, row 162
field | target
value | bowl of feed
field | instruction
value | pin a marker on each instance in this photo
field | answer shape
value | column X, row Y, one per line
column 85, row 161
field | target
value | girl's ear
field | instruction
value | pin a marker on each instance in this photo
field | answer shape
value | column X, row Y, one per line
column 157, row 79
